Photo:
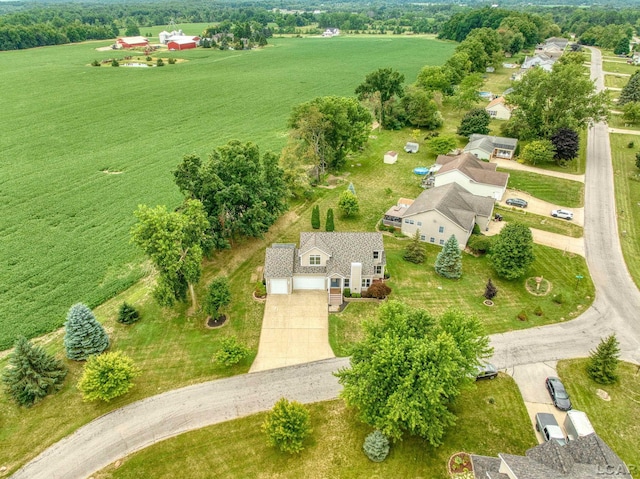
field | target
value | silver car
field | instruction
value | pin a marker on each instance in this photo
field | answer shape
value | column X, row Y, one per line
column 564, row 214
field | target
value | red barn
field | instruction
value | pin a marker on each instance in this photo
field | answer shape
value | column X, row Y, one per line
column 184, row 43
column 131, row 42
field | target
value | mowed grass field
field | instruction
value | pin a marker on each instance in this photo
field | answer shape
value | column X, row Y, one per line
column 82, row 147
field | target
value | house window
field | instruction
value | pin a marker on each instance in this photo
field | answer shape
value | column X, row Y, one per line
column 432, row 240
column 410, row 222
column 419, row 223
column 441, row 241
column 376, row 254
column 378, row 269
column 314, row 259
column 346, row 283
column 406, row 221
column 423, row 238
column 366, row 282
column 441, row 229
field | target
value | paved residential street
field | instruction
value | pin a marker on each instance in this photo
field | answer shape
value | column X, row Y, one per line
column 616, row 309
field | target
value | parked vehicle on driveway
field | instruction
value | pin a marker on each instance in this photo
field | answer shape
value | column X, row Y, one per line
column 564, row 214
column 577, row 425
column 549, row 428
column 487, row 371
column 558, row 393
column 517, row 202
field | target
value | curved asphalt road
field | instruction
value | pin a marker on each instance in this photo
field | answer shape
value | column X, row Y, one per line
column 138, row 425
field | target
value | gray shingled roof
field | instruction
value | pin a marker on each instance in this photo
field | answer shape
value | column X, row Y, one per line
column 454, row 202
column 487, row 467
column 478, row 170
column 344, row 248
column 488, row 143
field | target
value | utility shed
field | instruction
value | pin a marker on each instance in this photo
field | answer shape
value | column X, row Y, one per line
column 411, row 147
column 390, row 157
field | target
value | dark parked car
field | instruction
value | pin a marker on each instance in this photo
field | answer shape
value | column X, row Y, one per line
column 486, row 371
column 517, row 202
column 558, row 393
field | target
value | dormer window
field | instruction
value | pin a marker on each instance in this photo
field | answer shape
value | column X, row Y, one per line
column 376, row 254
column 314, row 259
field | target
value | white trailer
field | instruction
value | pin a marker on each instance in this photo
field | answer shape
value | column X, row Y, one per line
column 577, row 425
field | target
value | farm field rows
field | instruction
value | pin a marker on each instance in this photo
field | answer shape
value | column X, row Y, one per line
column 85, row 145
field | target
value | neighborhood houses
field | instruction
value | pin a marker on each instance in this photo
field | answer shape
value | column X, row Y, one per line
column 477, row 177
column 487, row 147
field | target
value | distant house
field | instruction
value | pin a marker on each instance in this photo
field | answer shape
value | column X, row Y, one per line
column 487, row 147
column 390, row 157
column 540, row 60
column 326, row 261
column 588, row 457
column 498, row 109
column 331, row 32
column 441, row 212
column 476, row 176
column 132, row 42
column 182, row 43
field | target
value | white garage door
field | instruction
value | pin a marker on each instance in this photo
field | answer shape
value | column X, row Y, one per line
column 278, row 286
column 308, row 282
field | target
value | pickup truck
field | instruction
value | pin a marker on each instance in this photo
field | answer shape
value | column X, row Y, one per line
column 549, row 428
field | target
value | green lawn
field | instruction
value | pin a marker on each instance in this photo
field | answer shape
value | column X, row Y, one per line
column 616, row 121
column 532, row 220
column 577, row 166
column 627, row 189
column 420, row 286
column 620, row 66
column 615, row 81
column 554, row 190
column 492, row 419
column 614, row 420
column 66, row 218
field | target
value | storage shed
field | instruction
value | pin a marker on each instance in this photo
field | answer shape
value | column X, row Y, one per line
column 390, row 157
column 411, row 147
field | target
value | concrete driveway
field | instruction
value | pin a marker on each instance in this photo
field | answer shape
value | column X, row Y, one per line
column 295, row 330
column 555, row 240
column 540, row 207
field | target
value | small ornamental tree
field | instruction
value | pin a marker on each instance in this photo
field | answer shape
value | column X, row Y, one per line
column 538, row 151
column 231, row 352
column 107, row 376
column 490, row 291
column 566, row 143
column 127, row 314
column 512, row 251
column 32, row 373
column 287, row 425
column 449, row 260
column 218, row 296
column 348, row 204
column 315, row 217
column 378, row 290
column 329, row 224
column 414, row 252
column 475, row 120
column 441, row 145
column 376, row 446
column 84, row 336
column 603, row 362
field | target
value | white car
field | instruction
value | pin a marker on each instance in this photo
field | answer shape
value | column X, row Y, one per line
column 564, row 214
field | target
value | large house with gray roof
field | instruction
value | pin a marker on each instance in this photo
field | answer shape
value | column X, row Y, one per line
column 587, row 457
column 326, row 261
column 487, row 147
column 441, row 212
column 475, row 176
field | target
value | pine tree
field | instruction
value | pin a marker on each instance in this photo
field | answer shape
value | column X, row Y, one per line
column 32, row 373
column 329, row 225
column 127, row 314
column 414, row 252
column 315, row 217
column 603, row 362
column 376, row 446
column 449, row 260
column 631, row 91
column 352, row 189
column 490, row 291
column 84, row 335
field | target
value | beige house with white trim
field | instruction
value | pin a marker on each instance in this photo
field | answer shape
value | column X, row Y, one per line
column 498, row 109
column 476, row 176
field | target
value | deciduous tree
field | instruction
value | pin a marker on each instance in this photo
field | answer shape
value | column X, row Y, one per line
column 449, row 260
column 538, row 152
column 384, row 81
column 566, row 143
column 603, row 362
column 475, row 120
column 442, row 144
column 31, row 373
column 218, row 296
column 107, row 376
column 348, row 204
column 410, row 368
column 631, row 112
column 84, row 336
column 287, row 425
column 420, row 109
column 512, row 251
column 467, row 94
column 231, row 351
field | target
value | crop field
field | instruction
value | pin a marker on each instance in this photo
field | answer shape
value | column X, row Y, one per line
column 83, row 146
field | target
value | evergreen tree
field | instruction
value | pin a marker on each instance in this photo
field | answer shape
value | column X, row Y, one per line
column 414, row 252
column 490, row 291
column 449, row 260
column 84, row 335
column 638, row 160
column 512, row 251
column 329, row 225
column 352, row 189
column 376, row 446
column 128, row 314
column 315, row 217
column 32, row 373
column 631, row 91
column 603, row 362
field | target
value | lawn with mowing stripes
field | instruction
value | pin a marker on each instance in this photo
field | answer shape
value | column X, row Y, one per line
column 544, row 223
column 627, row 190
column 83, row 146
column 554, row 190
column 492, row 419
column 620, row 66
column 615, row 81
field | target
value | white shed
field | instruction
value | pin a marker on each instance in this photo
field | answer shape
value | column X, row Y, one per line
column 390, row 157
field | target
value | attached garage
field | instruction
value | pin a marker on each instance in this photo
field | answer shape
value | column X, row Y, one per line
column 309, row 282
column 278, row 286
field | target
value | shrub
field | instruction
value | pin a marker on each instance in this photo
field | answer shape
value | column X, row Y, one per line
column 329, row 225
column 603, row 362
column 127, row 314
column 107, row 376
column 558, row 298
column 490, row 291
column 348, row 204
column 231, row 352
column 149, row 59
column 538, row 311
column 95, row 63
column 631, row 144
column 172, row 61
column 84, row 336
column 346, row 292
column 260, row 290
column 479, row 244
column 476, row 229
column 32, row 373
column 159, row 62
column 287, row 425
column 114, row 63
column 356, row 295
column 376, row 446
column 377, row 290
column 315, row 217
column 522, row 315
